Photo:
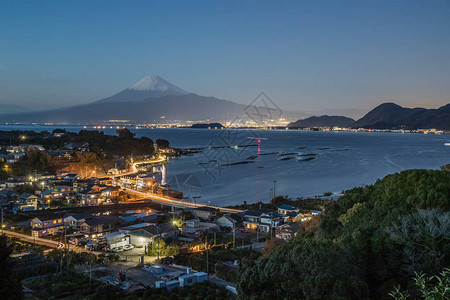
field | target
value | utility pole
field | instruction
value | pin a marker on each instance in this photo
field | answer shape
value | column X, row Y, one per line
column 157, row 229
column 234, row 237
column 207, row 257
column 2, row 218
column 257, row 232
column 271, row 222
column 65, row 237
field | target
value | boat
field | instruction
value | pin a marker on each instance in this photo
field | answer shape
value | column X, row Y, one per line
column 447, row 144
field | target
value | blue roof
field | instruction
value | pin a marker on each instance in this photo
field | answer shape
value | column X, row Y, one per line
column 128, row 219
column 287, row 207
column 316, row 211
column 47, row 192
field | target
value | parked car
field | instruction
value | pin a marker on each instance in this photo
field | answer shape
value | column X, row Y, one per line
column 243, row 230
column 128, row 247
column 120, row 249
column 147, row 268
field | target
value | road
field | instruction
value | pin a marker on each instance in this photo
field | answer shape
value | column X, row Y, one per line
column 178, row 202
column 164, row 199
column 31, row 239
column 134, row 166
column 45, row 242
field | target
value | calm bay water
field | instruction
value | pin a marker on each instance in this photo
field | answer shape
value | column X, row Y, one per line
column 342, row 160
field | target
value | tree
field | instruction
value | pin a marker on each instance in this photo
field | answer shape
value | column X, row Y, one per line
column 428, row 287
column 10, row 287
column 424, row 236
column 125, row 134
column 159, row 247
column 363, row 244
column 162, row 144
column 270, row 245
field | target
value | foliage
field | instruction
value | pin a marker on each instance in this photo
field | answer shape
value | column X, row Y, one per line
column 72, row 258
column 197, row 261
column 270, row 245
column 162, row 144
column 423, row 236
column 304, row 204
column 69, row 283
column 10, row 287
column 445, row 167
column 359, row 247
column 226, row 273
column 428, row 287
column 204, row 290
column 159, row 247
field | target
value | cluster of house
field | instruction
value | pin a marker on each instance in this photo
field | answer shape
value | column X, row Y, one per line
column 83, row 224
column 285, row 222
column 64, row 187
column 14, row 154
column 139, row 229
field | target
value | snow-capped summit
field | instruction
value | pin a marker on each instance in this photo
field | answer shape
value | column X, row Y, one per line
column 157, row 84
column 150, row 86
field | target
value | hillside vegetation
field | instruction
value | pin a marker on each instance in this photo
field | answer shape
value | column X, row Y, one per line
column 366, row 244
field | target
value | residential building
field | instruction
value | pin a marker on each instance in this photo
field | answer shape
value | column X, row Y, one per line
column 28, row 201
column 75, row 220
column 270, row 220
column 47, row 224
column 116, row 239
column 286, row 209
column 99, row 226
column 229, row 221
column 205, row 212
column 262, row 220
column 288, row 231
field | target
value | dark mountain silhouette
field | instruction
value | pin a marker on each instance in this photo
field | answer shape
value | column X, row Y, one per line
column 11, row 108
column 323, row 121
column 152, row 110
column 150, row 100
column 151, row 86
column 393, row 116
column 207, row 125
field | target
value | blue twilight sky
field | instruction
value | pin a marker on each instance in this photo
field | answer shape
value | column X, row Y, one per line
column 307, row 55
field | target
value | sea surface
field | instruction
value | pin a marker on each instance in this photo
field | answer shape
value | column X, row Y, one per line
column 303, row 163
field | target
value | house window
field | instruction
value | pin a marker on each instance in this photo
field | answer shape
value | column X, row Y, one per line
column 54, row 221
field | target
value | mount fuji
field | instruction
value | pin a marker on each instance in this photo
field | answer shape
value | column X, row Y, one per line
column 150, row 100
column 150, row 86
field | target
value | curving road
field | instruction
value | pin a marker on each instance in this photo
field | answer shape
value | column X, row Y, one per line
column 164, row 199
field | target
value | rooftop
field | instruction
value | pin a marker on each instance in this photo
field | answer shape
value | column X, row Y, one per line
column 287, row 207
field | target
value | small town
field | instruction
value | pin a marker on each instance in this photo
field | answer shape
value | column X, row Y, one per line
column 224, row 150
column 134, row 232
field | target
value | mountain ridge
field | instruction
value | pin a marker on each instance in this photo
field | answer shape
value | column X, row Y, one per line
column 322, row 121
column 392, row 116
column 150, row 86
